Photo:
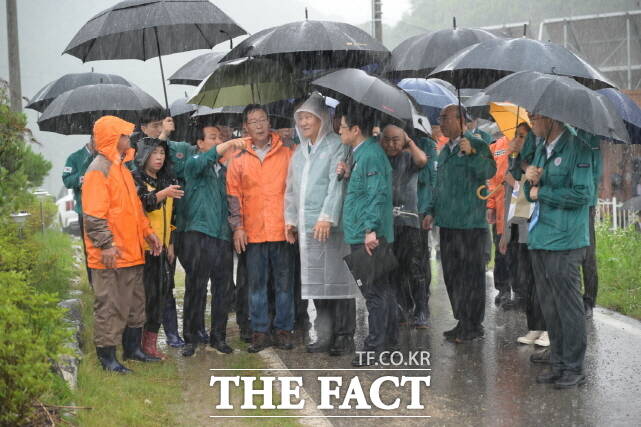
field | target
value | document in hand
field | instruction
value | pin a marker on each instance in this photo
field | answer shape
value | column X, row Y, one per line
column 366, row 268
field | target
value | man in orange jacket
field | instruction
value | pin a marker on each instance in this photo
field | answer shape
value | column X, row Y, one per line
column 116, row 229
column 256, row 182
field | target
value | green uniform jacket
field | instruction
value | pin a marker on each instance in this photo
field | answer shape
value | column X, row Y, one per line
column 179, row 152
column 594, row 142
column 565, row 191
column 486, row 137
column 205, row 203
column 73, row 173
column 368, row 201
column 454, row 203
column 427, row 175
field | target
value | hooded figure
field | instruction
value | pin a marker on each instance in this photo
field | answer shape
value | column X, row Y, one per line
column 313, row 203
column 116, row 229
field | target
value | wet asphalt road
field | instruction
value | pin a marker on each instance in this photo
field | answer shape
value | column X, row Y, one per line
column 490, row 382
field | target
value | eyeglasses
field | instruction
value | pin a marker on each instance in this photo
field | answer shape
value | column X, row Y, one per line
column 255, row 123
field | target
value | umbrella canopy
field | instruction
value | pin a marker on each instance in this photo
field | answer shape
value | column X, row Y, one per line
column 482, row 64
column 47, row 94
column 75, row 111
column 196, row 70
column 429, row 94
column 370, row 91
column 560, row 98
column 232, row 117
column 143, row 29
column 181, row 112
column 507, row 117
column 478, row 106
column 628, row 110
column 313, row 45
column 248, row 81
column 419, row 55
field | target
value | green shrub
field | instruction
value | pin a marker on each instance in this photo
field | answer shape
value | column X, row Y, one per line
column 33, row 334
column 52, row 267
column 619, row 261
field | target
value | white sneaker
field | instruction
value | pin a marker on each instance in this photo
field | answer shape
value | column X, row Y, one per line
column 530, row 337
column 543, row 340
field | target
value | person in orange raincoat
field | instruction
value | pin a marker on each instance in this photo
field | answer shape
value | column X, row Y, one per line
column 256, row 182
column 116, row 229
column 496, row 216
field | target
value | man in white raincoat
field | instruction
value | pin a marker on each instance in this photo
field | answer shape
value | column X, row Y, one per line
column 313, row 203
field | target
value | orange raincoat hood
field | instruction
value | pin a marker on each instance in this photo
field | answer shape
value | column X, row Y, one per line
column 107, row 131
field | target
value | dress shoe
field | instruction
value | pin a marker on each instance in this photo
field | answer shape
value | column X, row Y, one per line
column 543, row 340
column 569, row 380
column 283, row 340
column 189, row 349
column 588, row 311
column 318, row 346
column 529, row 338
column 452, row 332
column 541, row 357
column 549, row 377
column 343, row 344
column 107, row 358
column 260, row 341
column 466, row 334
column 420, row 320
column 220, row 346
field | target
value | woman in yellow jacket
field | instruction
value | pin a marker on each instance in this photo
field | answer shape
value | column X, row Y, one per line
column 157, row 187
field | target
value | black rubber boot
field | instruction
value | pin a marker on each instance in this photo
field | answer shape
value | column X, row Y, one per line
column 131, row 339
column 217, row 342
column 170, row 324
column 107, row 358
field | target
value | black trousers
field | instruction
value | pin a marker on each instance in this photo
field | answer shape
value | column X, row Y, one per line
column 334, row 317
column 409, row 278
column 464, row 273
column 84, row 246
column 557, row 284
column 242, row 297
column 382, row 317
column 589, row 267
column 157, row 278
column 301, row 320
column 205, row 257
column 426, row 258
column 502, row 264
column 522, row 281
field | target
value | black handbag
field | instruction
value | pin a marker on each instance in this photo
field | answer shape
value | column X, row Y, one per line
column 366, row 268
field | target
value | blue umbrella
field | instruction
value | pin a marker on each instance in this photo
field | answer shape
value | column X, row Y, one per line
column 628, row 110
column 430, row 95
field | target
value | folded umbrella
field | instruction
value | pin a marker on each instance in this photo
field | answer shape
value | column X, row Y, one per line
column 507, row 117
column 74, row 112
column 248, row 81
column 196, row 70
column 563, row 99
column 313, row 45
column 47, row 94
column 482, row 64
column 143, row 29
column 419, row 55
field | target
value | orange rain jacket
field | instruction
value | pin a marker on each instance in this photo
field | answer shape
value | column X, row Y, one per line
column 501, row 153
column 113, row 213
column 256, row 191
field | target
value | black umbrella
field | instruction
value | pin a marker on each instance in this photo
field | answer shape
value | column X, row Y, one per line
column 181, row 112
column 482, row 64
column 313, row 45
column 419, row 55
column 43, row 98
column 143, row 29
column 196, row 70
column 560, row 98
column 75, row 111
column 633, row 204
column 370, row 91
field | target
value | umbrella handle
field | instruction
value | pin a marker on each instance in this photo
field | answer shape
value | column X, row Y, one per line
column 488, row 195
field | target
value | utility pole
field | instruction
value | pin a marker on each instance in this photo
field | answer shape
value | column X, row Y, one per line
column 377, row 20
column 14, row 56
